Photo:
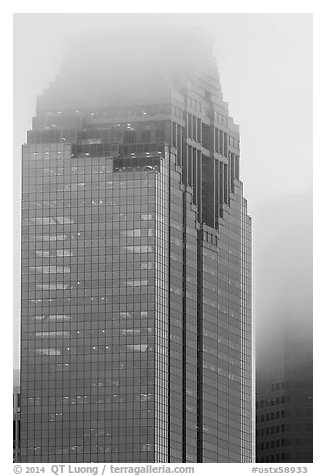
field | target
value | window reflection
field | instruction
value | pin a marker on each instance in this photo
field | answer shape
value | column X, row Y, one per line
column 60, row 220
column 52, row 287
column 137, row 283
column 137, row 347
column 52, row 334
column 42, row 253
column 64, row 252
column 146, row 265
column 50, row 351
column 146, row 216
column 51, row 269
column 125, row 315
column 139, row 249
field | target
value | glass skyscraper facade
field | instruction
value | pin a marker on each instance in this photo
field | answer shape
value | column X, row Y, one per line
column 284, row 407
column 136, row 324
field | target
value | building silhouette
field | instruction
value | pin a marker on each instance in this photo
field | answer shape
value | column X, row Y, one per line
column 284, row 403
column 136, row 260
column 284, row 350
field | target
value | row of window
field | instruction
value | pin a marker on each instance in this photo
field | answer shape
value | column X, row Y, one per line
column 120, row 133
column 81, row 449
column 273, row 429
column 274, row 458
column 55, row 204
column 276, row 415
column 273, row 401
column 96, row 332
column 57, row 119
column 78, row 303
column 296, row 398
column 283, row 442
column 51, row 116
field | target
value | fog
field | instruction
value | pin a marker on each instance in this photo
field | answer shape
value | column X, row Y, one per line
column 283, row 276
column 109, row 67
column 265, row 67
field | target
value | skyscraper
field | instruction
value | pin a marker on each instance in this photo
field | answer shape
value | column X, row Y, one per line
column 136, row 260
column 284, row 416
column 284, row 350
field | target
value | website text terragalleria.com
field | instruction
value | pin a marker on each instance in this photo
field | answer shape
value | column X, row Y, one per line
column 59, row 469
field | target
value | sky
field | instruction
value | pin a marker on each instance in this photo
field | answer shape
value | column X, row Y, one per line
column 265, row 67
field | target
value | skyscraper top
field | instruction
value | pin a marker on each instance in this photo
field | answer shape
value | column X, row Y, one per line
column 107, row 67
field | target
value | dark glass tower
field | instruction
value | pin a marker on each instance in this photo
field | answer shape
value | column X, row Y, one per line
column 284, row 415
column 284, row 350
column 136, row 260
